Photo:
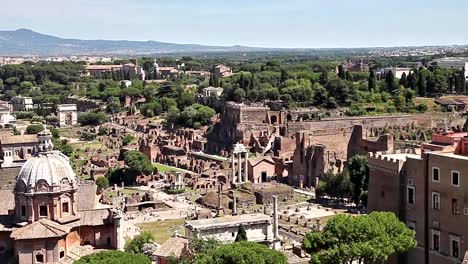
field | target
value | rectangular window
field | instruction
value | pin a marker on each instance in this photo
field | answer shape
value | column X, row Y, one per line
column 43, row 211
column 411, row 225
column 39, row 258
column 23, row 210
column 435, row 201
column 435, row 240
column 455, row 178
column 410, row 195
column 435, row 174
column 65, row 208
column 29, row 151
column 455, row 246
column 455, row 209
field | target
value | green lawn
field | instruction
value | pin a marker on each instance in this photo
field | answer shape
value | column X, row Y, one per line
column 163, row 230
column 165, row 168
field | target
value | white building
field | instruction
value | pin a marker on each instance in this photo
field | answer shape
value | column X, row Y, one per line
column 67, row 115
column 258, row 227
column 452, row 62
column 211, row 93
column 397, row 72
column 21, row 103
column 5, row 114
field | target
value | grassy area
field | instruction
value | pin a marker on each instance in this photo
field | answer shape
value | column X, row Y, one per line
column 163, row 230
column 165, row 168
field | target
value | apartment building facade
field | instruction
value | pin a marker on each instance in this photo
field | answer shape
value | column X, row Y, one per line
column 428, row 189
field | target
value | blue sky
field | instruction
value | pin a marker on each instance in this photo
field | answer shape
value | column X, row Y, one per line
column 265, row 23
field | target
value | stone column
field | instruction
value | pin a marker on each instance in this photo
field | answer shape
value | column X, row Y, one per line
column 275, row 217
column 246, row 172
column 234, row 205
column 239, row 164
column 233, row 162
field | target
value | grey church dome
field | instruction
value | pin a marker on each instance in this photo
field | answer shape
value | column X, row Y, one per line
column 48, row 171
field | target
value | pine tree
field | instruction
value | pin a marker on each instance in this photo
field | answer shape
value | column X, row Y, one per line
column 372, row 81
column 241, row 234
column 404, row 80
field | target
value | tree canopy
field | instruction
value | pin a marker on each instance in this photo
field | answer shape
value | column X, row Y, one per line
column 138, row 162
column 365, row 239
column 136, row 244
column 242, row 252
column 113, row 257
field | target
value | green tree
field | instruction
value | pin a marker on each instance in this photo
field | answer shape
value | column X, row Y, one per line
column 102, row 183
column 93, row 118
column 136, row 244
column 422, row 84
column 359, row 175
column 242, row 252
column 113, row 257
column 341, row 72
column 138, row 162
column 363, row 239
column 34, row 129
column 403, row 80
column 241, row 234
column 127, row 139
column 390, row 82
column 239, row 95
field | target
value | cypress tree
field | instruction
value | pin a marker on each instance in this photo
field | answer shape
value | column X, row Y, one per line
column 390, row 81
column 341, row 72
column 421, row 84
column 241, row 234
column 349, row 76
column 372, row 81
column 404, row 80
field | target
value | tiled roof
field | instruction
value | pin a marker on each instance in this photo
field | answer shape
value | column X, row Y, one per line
column 41, row 229
column 8, row 201
column 255, row 161
column 18, row 139
column 86, row 197
column 174, row 246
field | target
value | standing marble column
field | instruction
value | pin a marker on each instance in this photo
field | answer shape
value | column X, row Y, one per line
column 275, row 217
column 239, row 164
column 233, row 162
column 246, row 173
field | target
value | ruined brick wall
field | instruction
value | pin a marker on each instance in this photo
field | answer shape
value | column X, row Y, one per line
column 359, row 145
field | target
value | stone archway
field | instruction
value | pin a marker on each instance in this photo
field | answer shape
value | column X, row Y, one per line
column 68, row 119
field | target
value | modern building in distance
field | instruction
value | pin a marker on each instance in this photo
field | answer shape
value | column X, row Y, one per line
column 453, row 63
column 427, row 188
column 397, row 72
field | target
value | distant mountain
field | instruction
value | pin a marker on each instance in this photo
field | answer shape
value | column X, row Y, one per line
column 27, row 42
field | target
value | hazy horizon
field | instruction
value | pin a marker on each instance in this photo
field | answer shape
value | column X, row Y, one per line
column 269, row 24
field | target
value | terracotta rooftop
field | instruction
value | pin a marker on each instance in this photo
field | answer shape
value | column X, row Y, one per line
column 18, row 139
column 41, row 229
column 174, row 246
